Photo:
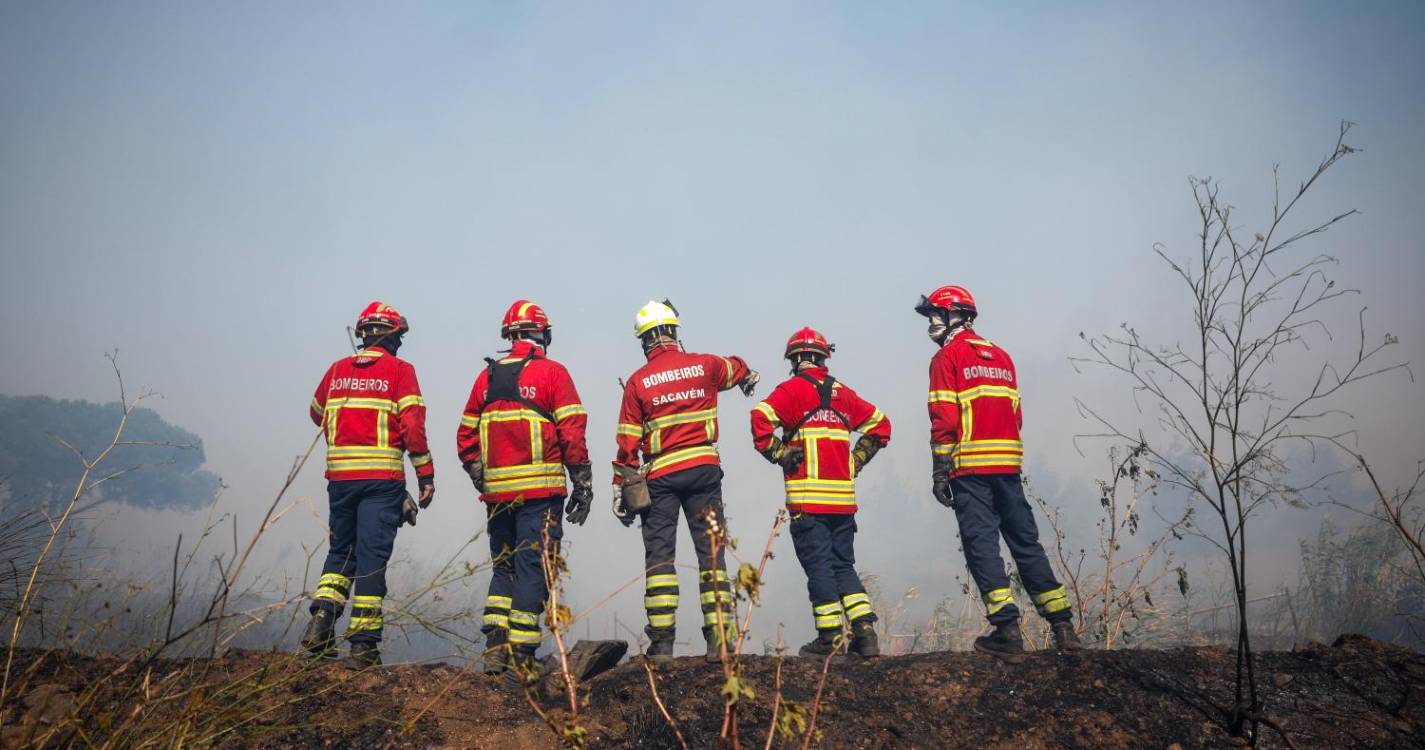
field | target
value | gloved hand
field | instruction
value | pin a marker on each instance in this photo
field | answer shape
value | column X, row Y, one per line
column 864, row 451
column 427, row 485
column 749, row 383
column 620, row 512
column 940, row 480
column 476, row 470
column 577, row 510
column 409, row 509
column 783, row 455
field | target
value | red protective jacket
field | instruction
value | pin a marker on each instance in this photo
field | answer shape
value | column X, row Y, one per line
column 523, row 450
column 826, row 480
column 974, row 407
column 371, row 408
column 670, row 409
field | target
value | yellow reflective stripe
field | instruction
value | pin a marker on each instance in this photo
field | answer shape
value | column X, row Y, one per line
column 662, row 579
column 767, row 411
column 851, row 599
column 973, row 445
column 364, row 623
column 329, row 594
column 826, row 609
column 827, row 622
column 524, row 470
column 363, row 451
column 512, row 415
column 568, row 411
column 981, row 391
column 498, row 620
column 317, row 406
column 681, row 455
column 834, row 433
column 942, row 397
column 420, row 459
column 499, row 602
column 997, row 600
column 858, row 611
column 470, row 420
column 814, row 499
column 709, row 597
column 942, row 449
column 335, row 579
column 409, row 401
column 371, row 353
column 630, row 430
column 514, row 485
column 352, row 402
column 712, row 575
column 662, row 620
column 832, row 486
column 521, row 617
column 730, row 369
column 870, row 424
column 660, row 601
column 346, row 464
column 712, row 617
column 688, row 418
column 524, row 637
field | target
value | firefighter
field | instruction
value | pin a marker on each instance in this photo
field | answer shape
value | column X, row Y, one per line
column 976, row 453
column 523, row 427
column 817, row 414
column 371, row 409
column 669, row 413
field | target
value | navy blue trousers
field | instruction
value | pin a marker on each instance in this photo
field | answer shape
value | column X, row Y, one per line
column 990, row 506
column 363, row 517
column 517, row 586
column 695, row 491
column 826, row 548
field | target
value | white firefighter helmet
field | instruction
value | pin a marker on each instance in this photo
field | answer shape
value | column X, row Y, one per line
column 653, row 315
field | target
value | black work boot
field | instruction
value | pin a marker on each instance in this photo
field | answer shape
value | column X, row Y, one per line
column 825, row 643
column 660, row 650
column 1004, row 642
column 497, row 651
column 715, row 639
column 1065, row 639
column 523, row 668
column 364, row 655
column 320, row 638
column 863, row 639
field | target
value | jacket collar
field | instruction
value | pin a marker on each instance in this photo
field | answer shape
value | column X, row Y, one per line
column 662, row 349
column 522, row 348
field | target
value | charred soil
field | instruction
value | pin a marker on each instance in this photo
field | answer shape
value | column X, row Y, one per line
column 1354, row 693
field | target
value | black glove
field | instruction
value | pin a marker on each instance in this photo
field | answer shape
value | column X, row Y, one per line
column 864, row 451
column 577, row 510
column 749, row 383
column 783, row 455
column 409, row 509
column 427, row 487
column 940, row 480
column 620, row 512
column 476, row 470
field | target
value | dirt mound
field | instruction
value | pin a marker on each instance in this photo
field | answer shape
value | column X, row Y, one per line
column 1354, row 693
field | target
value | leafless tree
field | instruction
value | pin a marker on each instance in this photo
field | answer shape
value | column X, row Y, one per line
column 1221, row 412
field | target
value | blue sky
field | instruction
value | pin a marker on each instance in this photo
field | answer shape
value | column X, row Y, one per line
column 217, row 189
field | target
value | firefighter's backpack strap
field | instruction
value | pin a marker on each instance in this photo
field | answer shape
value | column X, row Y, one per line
column 823, row 390
column 505, row 385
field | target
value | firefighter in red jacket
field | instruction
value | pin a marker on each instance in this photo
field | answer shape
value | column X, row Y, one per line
column 669, row 413
column 523, row 427
column 976, row 452
column 817, row 415
column 371, row 408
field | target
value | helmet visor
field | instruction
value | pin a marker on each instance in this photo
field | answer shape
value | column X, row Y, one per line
column 924, row 306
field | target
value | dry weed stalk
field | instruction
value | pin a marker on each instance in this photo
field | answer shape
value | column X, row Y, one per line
column 658, row 701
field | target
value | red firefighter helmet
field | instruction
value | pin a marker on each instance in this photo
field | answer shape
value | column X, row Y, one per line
column 381, row 315
column 523, row 316
column 951, row 299
column 808, row 340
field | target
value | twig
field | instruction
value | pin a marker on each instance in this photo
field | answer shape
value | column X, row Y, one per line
column 658, row 701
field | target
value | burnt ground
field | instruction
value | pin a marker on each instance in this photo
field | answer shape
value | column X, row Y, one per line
column 1354, row 693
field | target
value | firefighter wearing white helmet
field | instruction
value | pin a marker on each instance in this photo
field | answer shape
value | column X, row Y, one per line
column 667, row 437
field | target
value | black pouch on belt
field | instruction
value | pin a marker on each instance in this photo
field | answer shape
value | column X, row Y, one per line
column 635, row 489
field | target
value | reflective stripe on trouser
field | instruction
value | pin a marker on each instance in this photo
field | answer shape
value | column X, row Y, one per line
column 693, row 491
column 991, row 506
column 363, row 517
column 366, row 619
column 517, row 590
column 825, row 546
